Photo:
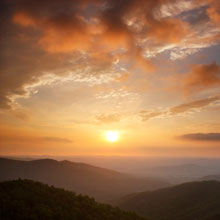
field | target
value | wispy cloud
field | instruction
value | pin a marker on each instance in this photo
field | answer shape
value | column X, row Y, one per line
column 108, row 118
column 182, row 109
column 146, row 115
column 31, row 139
column 196, row 105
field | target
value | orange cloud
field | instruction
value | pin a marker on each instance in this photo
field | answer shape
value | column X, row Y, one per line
column 23, row 19
column 144, row 63
column 60, row 33
column 168, row 31
column 56, row 40
column 114, row 40
column 202, row 77
column 65, row 28
column 213, row 11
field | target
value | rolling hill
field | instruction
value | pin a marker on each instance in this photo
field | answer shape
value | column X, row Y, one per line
column 102, row 184
column 188, row 201
column 25, row 199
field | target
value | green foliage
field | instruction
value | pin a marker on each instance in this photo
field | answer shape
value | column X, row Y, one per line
column 28, row 200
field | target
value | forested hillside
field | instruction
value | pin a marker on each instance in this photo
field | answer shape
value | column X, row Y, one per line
column 28, row 200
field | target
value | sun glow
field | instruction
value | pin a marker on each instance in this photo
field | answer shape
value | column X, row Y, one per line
column 112, row 136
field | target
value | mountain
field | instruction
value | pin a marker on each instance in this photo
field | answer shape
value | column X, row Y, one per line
column 25, row 199
column 188, row 201
column 210, row 177
column 103, row 184
column 182, row 168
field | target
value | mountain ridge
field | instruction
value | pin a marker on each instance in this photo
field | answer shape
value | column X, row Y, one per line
column 103, row 184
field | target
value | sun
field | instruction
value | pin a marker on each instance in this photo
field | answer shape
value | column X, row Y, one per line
column 112, row 136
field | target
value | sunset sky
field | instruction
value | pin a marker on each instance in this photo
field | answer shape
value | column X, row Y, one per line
column 72, row 70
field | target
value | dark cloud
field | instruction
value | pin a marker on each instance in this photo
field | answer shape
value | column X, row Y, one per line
column 25, row 67
column 67, row 25
column 60, row 22
column 201, row 137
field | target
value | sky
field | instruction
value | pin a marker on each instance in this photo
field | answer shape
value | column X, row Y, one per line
column 72, row 70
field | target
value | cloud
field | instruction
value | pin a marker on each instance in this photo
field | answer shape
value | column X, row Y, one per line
column 214, row 137
column 195, row 106
column 37, row 68
column 213, row 11
column 30, row 70
column 202, row 77
column 192, row 106
column 55, row 139
column 201, row 32
column 169, row 31
column 110, row 118
column 68, row 25
column 62, row 27
column 146, row 115
column 16, row 138
column 21, row 115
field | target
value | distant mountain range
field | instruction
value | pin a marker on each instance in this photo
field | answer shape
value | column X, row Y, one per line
column 181, row 173
column 28, row 200
column 210, row 177
column 103, row 184
column 188, row 201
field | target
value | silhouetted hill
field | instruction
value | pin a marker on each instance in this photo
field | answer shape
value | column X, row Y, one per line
column 103, row 184
column 189, row 201
column 28, row 200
